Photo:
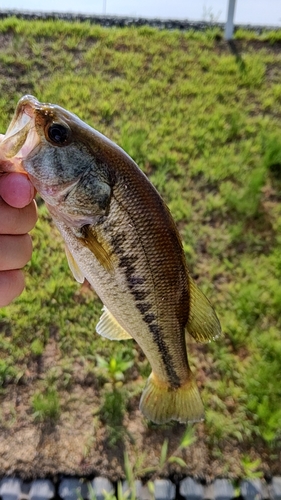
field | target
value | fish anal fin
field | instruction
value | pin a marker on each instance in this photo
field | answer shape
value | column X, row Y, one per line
column 76, row 271
column 160, row 403
column 203, row 324
column 109, row 327
column 97, row 246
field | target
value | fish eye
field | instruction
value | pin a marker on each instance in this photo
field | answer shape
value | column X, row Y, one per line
column 58, row 133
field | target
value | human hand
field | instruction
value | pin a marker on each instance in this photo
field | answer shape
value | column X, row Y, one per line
column 18, row 215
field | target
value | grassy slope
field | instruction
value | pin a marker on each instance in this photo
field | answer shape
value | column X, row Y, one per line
column 203, row 124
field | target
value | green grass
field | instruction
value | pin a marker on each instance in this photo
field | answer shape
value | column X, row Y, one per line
column 203, row 125
column 46, row 405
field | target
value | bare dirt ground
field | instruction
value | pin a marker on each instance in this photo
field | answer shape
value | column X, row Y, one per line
column 77, row 443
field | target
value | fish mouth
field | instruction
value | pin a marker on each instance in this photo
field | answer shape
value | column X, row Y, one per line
column 21, row 136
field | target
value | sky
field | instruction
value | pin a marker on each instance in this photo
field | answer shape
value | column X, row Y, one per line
column 263, row 12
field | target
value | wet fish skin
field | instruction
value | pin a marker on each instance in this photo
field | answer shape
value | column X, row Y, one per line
column 120, row 235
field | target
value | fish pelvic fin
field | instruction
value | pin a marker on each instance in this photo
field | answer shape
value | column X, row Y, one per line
column 203, row 323
column 109, row 327
column 75, row 269
column 161, row 403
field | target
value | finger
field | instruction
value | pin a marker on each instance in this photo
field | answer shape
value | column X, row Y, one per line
column 15, row 251
column 17, row 220
column 11, row 286
column 16, row 189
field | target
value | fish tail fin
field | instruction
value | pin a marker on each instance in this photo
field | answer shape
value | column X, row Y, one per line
column 161, row 403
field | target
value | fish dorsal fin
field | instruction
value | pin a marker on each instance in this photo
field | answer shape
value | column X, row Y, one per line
column 109, row 327
column 203, row 323
column 98, row 247
column 76, row 271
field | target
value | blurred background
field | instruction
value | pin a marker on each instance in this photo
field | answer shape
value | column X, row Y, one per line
column 249, row 12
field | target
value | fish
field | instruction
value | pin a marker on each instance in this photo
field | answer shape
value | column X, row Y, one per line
column 120, row 235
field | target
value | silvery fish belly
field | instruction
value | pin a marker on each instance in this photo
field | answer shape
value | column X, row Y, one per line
column 120, row 235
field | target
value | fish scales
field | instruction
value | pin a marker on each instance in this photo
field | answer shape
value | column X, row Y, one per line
column 120, row 235
column 155, row 246
column 134, row 274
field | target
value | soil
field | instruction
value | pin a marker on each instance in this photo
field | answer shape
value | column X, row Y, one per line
column 79, row 443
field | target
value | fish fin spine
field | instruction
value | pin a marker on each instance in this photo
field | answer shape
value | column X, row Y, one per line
column 75, row 269
column 109, row 327
column 161, row 403
column 203, row 324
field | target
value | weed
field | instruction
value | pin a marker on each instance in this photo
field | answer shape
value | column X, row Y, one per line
column 251, row 467
column 106, row 495
column 37, row 347
column 116, row 366
column 46, row 405
column 112, row 413
column 7, row 372
column 263, row 392
column 272, row 154
column 138, row 470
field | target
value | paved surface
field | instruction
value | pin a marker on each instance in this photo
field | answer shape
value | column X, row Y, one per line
column 69, row 488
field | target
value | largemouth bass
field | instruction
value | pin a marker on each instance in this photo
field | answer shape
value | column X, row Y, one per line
column 120, row 236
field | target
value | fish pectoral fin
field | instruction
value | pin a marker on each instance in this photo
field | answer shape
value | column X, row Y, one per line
column 98, row 247
column 109, row 327
column 75, row 269
column 203, row 323
column 162, row 403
